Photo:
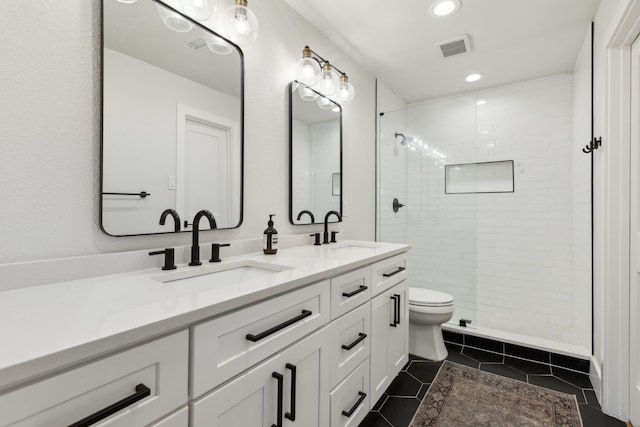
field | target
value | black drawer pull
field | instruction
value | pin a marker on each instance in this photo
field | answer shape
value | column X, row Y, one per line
column 142, row 391
column 395, row 310
column 261, row 335
column 362, row 288
column 393, row 273
column 358, row 340
column 292, row 415
column 280, row 380
column 354, row 407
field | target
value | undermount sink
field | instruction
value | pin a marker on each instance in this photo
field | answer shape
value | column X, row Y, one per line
column 215, row 275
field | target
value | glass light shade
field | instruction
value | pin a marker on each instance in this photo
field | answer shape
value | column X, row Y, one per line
column 174, row 21
column 307, row 94
column 325, row 103
column 346, row 93
column 328, row 84
column 217, row 44
column 201, row 10
column 308, row 71
column 241, row 25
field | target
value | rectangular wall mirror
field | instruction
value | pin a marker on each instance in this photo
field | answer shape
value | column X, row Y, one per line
column 172, row 120
column 315, row 150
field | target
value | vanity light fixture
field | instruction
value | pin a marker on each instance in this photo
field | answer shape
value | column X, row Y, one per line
column 240, row 23
column 173, row 20
column 442, row 8
column 201, row 10
column 313, row 71
column 217, row 44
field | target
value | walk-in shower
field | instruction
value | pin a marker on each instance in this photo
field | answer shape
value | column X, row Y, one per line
column 496, row 195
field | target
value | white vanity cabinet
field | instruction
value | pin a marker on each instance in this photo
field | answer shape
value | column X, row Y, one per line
column 133, row 388
column 308, row 349
column 289, row 389
column 389, row 337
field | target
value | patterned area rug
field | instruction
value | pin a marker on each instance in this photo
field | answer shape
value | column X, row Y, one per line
column 462, row 396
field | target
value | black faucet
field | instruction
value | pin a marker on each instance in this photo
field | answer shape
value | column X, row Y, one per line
column 195, row 246
column 176, row 219
column 326, row 225
column 313, row 220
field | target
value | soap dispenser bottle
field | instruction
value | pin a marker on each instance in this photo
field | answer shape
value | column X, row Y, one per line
column 270, row 241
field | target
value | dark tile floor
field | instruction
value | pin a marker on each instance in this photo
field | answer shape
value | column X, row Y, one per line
column 401, row 400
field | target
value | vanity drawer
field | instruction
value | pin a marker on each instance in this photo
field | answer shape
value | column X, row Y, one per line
column 388, row 273
column 349, row 291
column 350, row 400
column 153, row 375
column 350, row 342
column 227, row 345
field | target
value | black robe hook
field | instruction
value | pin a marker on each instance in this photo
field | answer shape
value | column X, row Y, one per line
column 593, row 145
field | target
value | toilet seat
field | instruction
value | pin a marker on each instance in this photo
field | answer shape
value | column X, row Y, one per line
column 429, row 298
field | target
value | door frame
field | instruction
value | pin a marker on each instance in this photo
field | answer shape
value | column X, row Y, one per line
column 612, row 215
column 186, row 112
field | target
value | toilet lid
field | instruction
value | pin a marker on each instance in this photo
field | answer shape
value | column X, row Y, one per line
column 429, row 297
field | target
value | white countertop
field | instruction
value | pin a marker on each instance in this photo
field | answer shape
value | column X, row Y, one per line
column 47, row 328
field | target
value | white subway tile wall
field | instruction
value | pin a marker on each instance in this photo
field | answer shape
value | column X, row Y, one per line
column 507, row 258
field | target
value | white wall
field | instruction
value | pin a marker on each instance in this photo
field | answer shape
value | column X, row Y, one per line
column 50, row 132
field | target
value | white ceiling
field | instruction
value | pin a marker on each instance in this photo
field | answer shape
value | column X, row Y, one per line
column 511, row 40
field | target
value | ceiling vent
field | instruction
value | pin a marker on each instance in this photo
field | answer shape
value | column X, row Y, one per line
column 455, row 46
column 196, row 44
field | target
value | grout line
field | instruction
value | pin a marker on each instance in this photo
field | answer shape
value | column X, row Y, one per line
column 504, row 355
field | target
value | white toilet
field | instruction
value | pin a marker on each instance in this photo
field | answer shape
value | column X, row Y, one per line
column 428, row 310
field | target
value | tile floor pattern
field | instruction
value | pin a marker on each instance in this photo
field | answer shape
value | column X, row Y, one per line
column 401, row 400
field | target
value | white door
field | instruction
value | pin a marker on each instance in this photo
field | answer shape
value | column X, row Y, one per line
column 203, row 183
column 634, row 368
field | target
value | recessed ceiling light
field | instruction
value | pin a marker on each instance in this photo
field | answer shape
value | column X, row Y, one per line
column 444, row 7
column 473, row 77
column 481, row 102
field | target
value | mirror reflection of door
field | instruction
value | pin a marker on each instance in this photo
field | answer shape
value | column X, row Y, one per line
column 154, row 80
column 205, row 184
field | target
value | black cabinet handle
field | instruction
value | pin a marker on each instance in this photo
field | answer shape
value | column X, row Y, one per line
column 292, row 415
column 393, row 273
column 362, row 288
column 354, row 407
column 142, row 391
column 261, row 335
column 280, row 380
column 360, row 338
column 395, row 310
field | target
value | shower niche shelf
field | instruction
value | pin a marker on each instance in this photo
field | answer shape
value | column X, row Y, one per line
column 484, row 177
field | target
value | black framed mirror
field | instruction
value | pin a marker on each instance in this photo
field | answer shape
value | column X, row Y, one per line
column 315, row 156
column 172, row 120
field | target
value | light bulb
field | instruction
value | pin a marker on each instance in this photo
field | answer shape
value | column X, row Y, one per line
column 217, row 44
column 346, row 91
column 200, row 9
column 241, row 23
column 307, row 94
column 328, row 84
column 173, row 20
column 308, row 70
column 325, row 103
column 473, row 77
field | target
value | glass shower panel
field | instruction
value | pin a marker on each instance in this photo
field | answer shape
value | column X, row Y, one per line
column 514, row 253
